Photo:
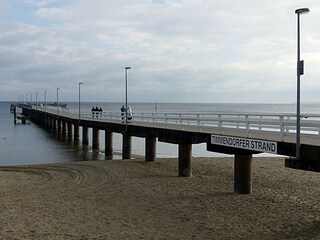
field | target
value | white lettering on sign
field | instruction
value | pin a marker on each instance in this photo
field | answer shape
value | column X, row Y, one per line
column 245, row 143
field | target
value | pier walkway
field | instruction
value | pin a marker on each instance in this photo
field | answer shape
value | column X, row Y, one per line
column 239, row 134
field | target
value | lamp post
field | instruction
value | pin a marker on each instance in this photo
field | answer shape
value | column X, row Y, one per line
column 300, row 71
column 37, row 100
column 45, row 101
column 126, row 71
column 58, row 101
column 79, row 100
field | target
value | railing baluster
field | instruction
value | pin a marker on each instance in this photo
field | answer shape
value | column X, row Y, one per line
column 282, row 127
column 287, row 126
column 166, row 119
column 260, row 122
column 198, row 122
column 247, row 124
column 220, row 123
column 238, row 122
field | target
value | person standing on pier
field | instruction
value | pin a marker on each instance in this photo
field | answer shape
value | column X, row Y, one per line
column 92, row 111
column 123, row 109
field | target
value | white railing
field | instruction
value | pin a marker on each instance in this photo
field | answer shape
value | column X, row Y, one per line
column 284, row 124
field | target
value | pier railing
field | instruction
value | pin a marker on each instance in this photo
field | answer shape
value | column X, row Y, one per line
column 282, row 124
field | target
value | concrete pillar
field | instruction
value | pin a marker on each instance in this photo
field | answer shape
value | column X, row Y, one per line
column 76, row 132
column 126, row 146
column 46, row 121
column 49, row 122
column 69, row 128
column 54, row 123
column 243, row 174
column 85, row 138
column 59, row 125
column 185, row 155
column 95, row 138
column 150, row 149
column 64, row 127
column 108, row 141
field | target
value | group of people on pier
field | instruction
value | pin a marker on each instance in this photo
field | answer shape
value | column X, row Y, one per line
column 96, row 112
column 124, row 115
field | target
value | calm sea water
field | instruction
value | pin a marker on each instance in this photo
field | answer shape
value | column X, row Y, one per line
column 31, row 144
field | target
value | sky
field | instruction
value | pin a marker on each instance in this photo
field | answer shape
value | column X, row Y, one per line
column 193, row 51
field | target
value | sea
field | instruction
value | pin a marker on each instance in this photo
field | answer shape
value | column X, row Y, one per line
column 25, row 144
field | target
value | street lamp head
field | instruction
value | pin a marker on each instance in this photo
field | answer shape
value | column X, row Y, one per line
column 126, row 68
column 302, row 10
column 80, row 83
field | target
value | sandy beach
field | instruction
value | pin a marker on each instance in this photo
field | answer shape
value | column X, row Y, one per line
column 131, row 199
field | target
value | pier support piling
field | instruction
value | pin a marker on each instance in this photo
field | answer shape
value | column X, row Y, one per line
column 185, row 155
column 69, row 127
column 64, row 128
column 85, row 135
column 59, row 125
column 95, row 138
column 15, row 116
column 126, row 146
column 150, row 149
column 54, row 123
column 108, row 142
column 243, row 174
column 76, row 132
column 50, row 122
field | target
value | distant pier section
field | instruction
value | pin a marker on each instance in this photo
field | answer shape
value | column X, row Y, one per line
column 17, row 116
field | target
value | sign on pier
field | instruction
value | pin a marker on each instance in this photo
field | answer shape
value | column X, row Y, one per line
column 245, row 143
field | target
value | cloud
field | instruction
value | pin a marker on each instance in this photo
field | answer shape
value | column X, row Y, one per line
column 179, row 50
column 42, row 3
column 52, row 13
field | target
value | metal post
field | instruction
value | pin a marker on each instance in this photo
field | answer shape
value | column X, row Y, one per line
column 58, row 101
column 243, row 174
column 79, row 100
column 126, row 71
column 37, row 100
column 298, row 91
column 45, row 101
column 185, row 159
column 299, row 73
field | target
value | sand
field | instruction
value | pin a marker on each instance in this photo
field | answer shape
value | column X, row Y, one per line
column 131, row 199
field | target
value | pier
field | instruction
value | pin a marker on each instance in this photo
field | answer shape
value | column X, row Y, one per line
column 241, row 135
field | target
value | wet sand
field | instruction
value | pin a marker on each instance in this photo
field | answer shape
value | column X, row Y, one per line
column 131, row 199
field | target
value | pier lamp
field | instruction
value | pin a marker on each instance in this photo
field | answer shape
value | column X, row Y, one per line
column 37, row 100
column 45, row 101
column 58, row 101
column 300, row 70
column 79, row 100
column 126, row 72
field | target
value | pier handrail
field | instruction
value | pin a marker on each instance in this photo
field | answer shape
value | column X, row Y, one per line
column 283, row 124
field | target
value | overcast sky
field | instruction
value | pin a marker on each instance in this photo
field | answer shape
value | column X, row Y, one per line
column 179, row 50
